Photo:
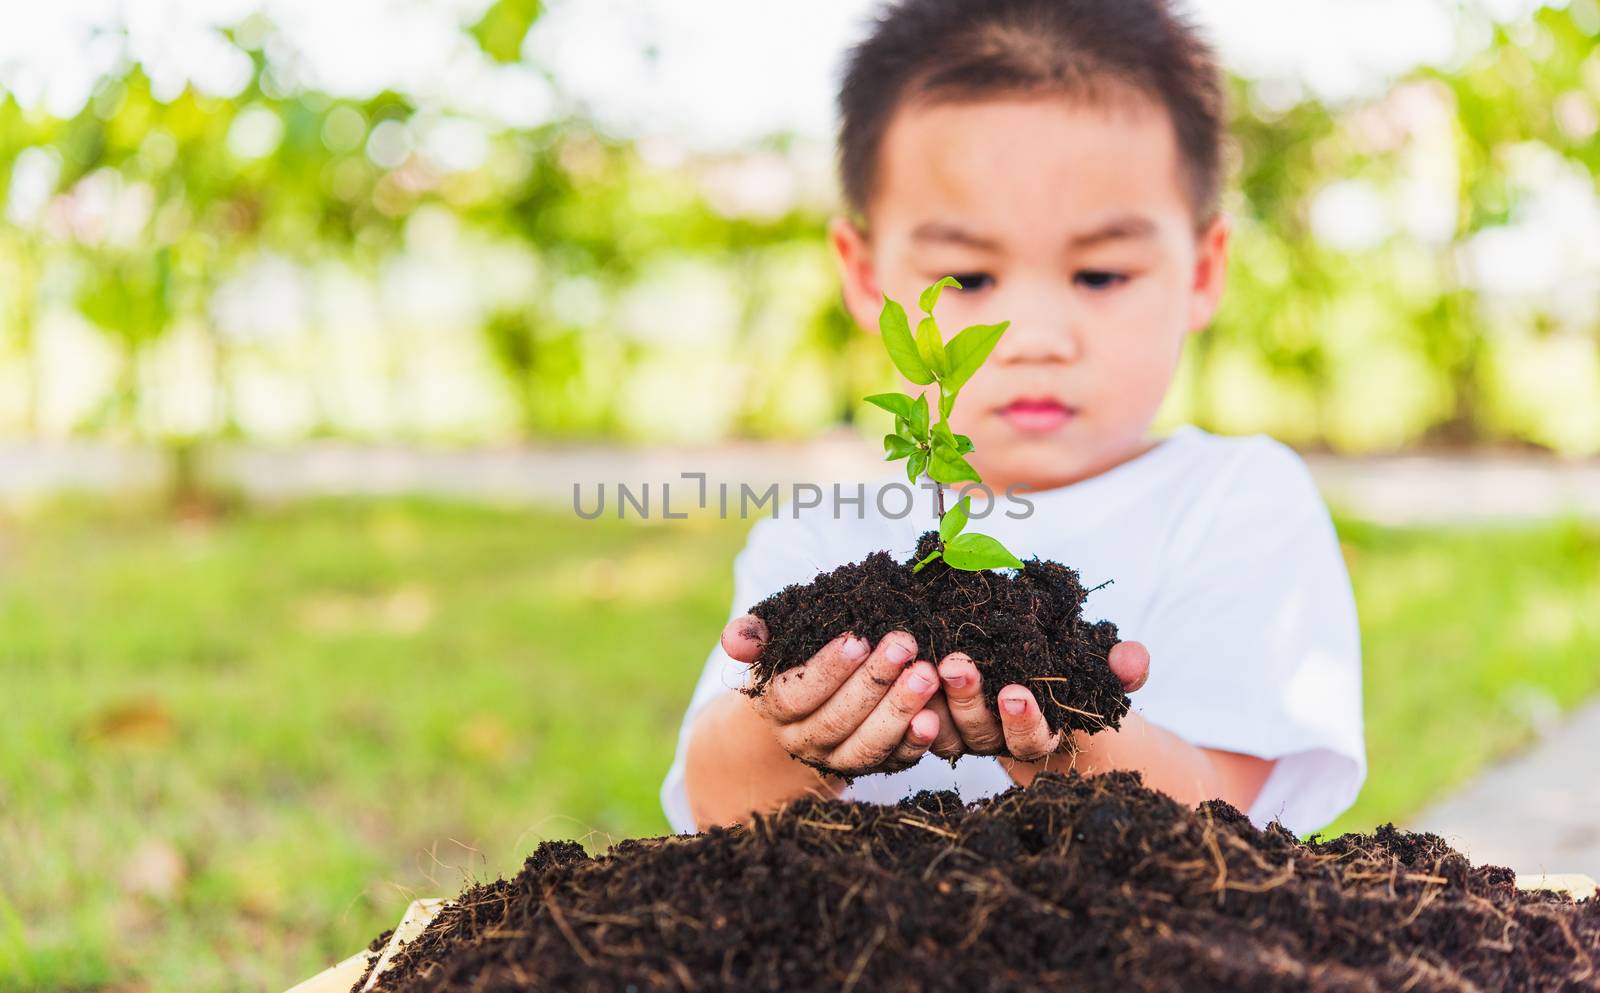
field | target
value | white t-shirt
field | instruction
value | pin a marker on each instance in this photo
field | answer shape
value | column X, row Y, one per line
column 1224, row 564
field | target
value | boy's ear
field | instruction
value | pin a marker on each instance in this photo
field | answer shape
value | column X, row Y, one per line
column 1210, row 272
column 854, row 255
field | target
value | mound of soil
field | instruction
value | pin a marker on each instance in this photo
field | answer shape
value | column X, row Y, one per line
column 1084, row 884
column 1025, row 627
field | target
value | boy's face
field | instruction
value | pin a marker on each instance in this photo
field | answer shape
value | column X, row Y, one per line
column 1068, row 220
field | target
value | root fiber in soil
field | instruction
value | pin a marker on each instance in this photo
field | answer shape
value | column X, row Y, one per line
column 1094, row 884
column 1025, row 627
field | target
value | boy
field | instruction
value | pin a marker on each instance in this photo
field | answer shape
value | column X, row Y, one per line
column 1063, row 160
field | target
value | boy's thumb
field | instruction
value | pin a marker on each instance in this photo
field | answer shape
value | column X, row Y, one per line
column 1130, row 661
column 744, row 637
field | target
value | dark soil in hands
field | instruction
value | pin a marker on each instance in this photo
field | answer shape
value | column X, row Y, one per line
column 1072, row 884
column 1025, row 628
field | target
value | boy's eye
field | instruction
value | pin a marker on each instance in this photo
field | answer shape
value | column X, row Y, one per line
column 972, row 280
column 1099, row 279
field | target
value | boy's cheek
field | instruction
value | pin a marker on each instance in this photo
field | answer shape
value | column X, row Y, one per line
column 1132, row 384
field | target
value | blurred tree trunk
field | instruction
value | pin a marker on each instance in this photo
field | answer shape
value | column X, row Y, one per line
column 1454, row 338
column 27, row 338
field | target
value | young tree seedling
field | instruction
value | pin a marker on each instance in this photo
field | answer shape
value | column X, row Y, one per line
column 931, row 448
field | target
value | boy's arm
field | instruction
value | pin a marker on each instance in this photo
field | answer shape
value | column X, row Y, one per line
column 1188, row 773
column 736, row 767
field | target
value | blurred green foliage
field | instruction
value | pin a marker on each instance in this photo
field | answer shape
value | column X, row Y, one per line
column 1374, row 333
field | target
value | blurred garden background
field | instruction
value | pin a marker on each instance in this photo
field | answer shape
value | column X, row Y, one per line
column 243, row 732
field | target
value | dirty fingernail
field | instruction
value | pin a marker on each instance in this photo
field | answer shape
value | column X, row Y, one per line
column 919, row 682
column 954, row 680
column 899, row 652
column 1013, row 706
column 855, row 649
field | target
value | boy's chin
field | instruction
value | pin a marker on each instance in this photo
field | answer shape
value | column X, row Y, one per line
column 1035, row 462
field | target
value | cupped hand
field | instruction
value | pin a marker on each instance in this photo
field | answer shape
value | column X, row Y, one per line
column 1019, row 728
column 852, row 708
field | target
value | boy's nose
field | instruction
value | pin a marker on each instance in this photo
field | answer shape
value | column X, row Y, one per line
column 1040, row 339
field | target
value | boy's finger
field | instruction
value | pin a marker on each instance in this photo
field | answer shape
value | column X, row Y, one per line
column 1027, row 736
column 795, row 693
column 865, row 688
column 877, row 737
column 963, row 690
column 947, row 743
column 744, row 637
column 1130, row 661
column 923, row 730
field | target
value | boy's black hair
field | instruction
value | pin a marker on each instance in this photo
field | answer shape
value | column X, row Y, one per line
column 933, row 51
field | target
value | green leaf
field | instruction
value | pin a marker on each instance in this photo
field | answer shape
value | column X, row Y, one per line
column 930, row 346
column 947, row 467
column 963, row 444
column 973, row 552
column 919, row 418
column 943, row 443
column 895, row 403
column 902, row 425
column 967, row 351
column 930, row 296
column 898, row 447
column 897, row 340
column 954, row 519
column 947, row 402
column 503, row 26
column 915, row 465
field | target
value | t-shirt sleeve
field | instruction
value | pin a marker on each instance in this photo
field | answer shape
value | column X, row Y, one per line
column 1254, row 643
column 778, row 551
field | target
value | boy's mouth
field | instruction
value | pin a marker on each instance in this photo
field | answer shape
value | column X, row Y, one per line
column 1037, row 414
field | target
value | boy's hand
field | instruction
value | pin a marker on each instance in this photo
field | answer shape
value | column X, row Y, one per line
column 847, row 708
column 1020, row 726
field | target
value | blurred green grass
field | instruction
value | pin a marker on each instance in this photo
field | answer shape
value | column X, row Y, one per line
column 236, row 748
